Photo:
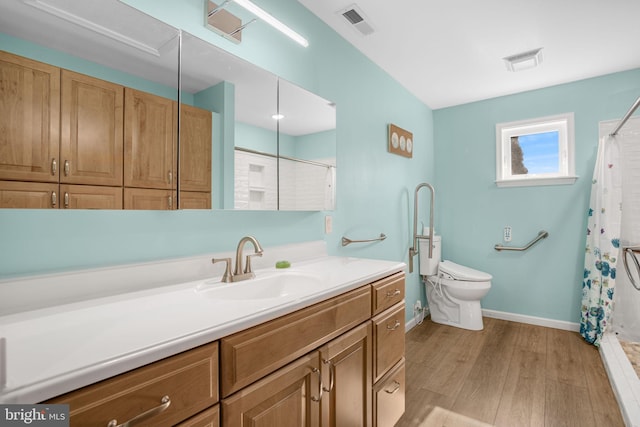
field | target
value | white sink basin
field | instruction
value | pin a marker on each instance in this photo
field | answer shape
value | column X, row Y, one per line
column 280, row 284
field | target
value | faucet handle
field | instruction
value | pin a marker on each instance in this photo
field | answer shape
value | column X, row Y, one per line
column 228, row 275
column 247, row 265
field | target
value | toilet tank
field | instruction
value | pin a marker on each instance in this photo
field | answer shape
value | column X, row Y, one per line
column 429, row 266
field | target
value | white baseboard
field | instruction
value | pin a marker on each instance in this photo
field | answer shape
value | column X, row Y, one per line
column 532, row 320
column 521, row 318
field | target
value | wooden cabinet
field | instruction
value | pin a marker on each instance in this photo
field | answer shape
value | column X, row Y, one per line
column 346, row 379
column 149, row 140
column 289, row 397
column 91, row 131
column 63, row 127
column 28, row 195
column 327, row 365
column 90, row 197
column 195, row 149
column 29, row 119
column 251, row 354
column 166, row 392
column 389, row 397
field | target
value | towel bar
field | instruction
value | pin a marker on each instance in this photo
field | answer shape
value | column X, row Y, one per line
column 541, row 235
column 346, row 241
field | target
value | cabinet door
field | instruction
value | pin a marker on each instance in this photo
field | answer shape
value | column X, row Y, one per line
column 346, row 376
column 29, row 119
column 287, row 398
column 389, row 397
column 195, row 200
column 28, row 195
column 90, row 197
column 149, row 140
column 145, row 199
column 91, row 130
column 195, row 149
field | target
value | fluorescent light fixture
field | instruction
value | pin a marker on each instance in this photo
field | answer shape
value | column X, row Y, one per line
column 524, row 60
column 277, row 117
column 269, row 19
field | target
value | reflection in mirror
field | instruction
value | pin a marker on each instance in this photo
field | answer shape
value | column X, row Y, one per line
column 307, row 149
column 101, row 78
column 242, row 98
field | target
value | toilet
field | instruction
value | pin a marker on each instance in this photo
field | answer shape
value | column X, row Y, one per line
column 453, row 291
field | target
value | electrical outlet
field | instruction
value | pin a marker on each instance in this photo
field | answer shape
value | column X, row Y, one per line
column 328, row 224
column 417, row 306
column 507, row 233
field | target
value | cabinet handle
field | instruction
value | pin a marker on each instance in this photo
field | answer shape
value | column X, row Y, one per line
column 66, row 168
column 395, row 388
column 332, row 375
column 320, row 387
column 395, row 325
column 54, row 199
column 66, row 200
column 170, row 202
column 170, row 177
column 54, row 167
column 395, row 293
column 143, row 416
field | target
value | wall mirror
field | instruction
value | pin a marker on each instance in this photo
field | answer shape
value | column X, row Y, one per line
column 232, row 152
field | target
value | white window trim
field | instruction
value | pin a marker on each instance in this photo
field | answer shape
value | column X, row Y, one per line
column 564, row 124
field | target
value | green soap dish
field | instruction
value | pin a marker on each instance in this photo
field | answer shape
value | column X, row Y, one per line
column 283, row 264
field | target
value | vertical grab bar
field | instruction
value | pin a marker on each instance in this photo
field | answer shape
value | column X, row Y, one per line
column 629, row 250
column 413, row 251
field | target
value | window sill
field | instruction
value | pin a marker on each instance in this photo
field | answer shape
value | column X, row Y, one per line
column 531, row 182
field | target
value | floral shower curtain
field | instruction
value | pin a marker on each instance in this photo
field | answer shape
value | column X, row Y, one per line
column 603, row 242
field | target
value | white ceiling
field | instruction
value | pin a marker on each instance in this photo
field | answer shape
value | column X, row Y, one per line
column 450, row 52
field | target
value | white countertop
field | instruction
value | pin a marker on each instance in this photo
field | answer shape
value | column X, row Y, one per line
column 48, row 351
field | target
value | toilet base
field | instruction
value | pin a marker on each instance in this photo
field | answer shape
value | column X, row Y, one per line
column 469, row 317
column 458, row 313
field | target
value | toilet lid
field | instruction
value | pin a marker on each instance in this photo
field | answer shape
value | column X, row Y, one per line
column 460, row 272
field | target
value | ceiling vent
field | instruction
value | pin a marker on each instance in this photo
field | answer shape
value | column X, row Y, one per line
column 357, row 19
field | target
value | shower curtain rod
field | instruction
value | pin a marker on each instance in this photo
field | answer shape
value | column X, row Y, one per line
column 626, row 117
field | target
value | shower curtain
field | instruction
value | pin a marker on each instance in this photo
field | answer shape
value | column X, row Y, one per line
column 603, row 242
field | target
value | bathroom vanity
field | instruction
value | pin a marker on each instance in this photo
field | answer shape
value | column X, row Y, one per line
column 207, row 353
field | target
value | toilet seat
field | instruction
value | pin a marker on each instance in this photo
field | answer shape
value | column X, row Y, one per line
column 451, row 270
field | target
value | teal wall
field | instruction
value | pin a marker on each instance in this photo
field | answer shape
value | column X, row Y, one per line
column 374, row 187
column 546, row 280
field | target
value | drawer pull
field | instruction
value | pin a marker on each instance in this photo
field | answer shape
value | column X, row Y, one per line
column 143, row 416
column 332, row 373
column 395, row 325
column 391, row 294
column 396, row 387
column 321, row 388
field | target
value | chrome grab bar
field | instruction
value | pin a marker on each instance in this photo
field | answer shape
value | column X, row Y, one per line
column 632, row 250
column 346, row 241
column 415, row 249
column 541, row 235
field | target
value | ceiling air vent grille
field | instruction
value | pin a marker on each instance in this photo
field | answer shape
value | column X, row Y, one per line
column 357, row 19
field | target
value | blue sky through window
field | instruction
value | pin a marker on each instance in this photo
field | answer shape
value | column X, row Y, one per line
column 540, row 151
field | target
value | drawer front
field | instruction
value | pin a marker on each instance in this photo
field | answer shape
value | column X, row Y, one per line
column 250, row 355
column 389, row 397
column 189, row 380
column 388, row 340
column 207, row 418
column 387, row 292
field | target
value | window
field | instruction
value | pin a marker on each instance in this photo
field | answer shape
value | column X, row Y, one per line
column 535, row 152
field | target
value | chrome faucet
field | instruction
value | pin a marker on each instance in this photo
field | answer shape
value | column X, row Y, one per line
column 240, row 273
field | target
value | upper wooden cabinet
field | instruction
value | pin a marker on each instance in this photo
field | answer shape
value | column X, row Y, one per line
column 29, row 119
column 149, row 140
column 195, row 149
column 91, row 130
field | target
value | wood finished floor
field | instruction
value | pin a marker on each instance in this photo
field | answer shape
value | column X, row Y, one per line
column 509, row 374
